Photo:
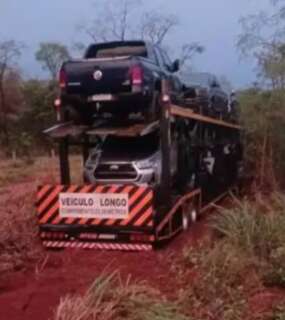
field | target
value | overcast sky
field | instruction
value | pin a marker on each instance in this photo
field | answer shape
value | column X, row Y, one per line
column 213, row 23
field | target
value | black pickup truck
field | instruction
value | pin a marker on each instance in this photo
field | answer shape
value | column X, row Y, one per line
column 205, row 94
column 118, row 78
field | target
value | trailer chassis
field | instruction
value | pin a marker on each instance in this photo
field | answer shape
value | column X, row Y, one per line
column 155, row 215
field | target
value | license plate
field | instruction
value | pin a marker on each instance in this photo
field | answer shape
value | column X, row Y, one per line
column 101, row 98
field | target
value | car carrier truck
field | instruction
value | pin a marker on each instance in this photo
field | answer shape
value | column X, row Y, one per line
column 122, row 213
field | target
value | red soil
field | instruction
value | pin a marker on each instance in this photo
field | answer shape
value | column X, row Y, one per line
column 34, row 293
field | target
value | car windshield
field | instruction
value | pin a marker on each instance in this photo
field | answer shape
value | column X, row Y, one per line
column 139, row 147
column 197, row 79
column 110, row 50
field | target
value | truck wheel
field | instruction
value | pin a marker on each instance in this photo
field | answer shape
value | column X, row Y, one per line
column 189, row 215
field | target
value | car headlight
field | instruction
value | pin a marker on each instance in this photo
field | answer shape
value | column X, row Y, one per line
column 146, row 164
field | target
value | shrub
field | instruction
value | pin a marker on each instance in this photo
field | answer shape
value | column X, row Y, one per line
column 263, row 121
column 18, row 234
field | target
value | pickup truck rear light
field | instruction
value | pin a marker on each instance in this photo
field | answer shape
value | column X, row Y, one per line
column 136, row 74
column 62, row 79
column 57, row 105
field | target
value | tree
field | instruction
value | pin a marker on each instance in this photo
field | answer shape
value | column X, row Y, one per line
column 51, row 55
column 125, row 19
column 262, row 108
column 10, row 51
column 154, row 26
column 189, row 51
column 113, row 21
column 38, row 112
column 263, row 38
column 263, row 120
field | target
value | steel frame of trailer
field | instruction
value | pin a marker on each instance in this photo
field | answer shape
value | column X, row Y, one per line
column 155, row 215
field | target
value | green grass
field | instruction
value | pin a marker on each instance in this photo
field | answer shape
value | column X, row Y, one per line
column 247, row 256
column 109, row 297
column 22, row 170
column 217, row 289
column 259, row 231
column 279, row 313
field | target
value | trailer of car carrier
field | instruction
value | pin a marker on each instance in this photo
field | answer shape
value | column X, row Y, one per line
column 130, row 216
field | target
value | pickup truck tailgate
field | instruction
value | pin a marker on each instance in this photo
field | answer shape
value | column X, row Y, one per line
column 96, row 76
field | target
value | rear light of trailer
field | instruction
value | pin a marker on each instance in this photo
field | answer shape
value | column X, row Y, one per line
column 141, row 238
column 136, row 74
column 62, row 79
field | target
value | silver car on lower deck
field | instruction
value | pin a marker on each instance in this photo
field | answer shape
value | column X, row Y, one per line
column 123, row 160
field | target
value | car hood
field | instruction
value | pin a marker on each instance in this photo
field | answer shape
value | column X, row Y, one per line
column 125, row 157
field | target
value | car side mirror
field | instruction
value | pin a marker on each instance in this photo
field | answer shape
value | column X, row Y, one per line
column 175, row 66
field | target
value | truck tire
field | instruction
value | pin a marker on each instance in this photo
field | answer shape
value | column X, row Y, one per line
column 189, row 216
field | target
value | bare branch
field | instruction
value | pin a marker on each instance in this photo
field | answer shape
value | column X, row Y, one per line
column 154, row 26
column 9, row 52
column 113, row 21
column 263, row 38
column 189, row 51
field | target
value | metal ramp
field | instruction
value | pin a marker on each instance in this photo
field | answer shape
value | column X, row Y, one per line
column 190, row 114
column 102, row 128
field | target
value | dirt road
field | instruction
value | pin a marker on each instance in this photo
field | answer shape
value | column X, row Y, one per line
column 34, row 293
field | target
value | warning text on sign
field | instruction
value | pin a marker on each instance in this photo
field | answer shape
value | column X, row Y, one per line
column 94, row 206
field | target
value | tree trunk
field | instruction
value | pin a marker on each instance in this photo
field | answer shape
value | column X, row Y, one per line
column 3, row 115
column 263, row 160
